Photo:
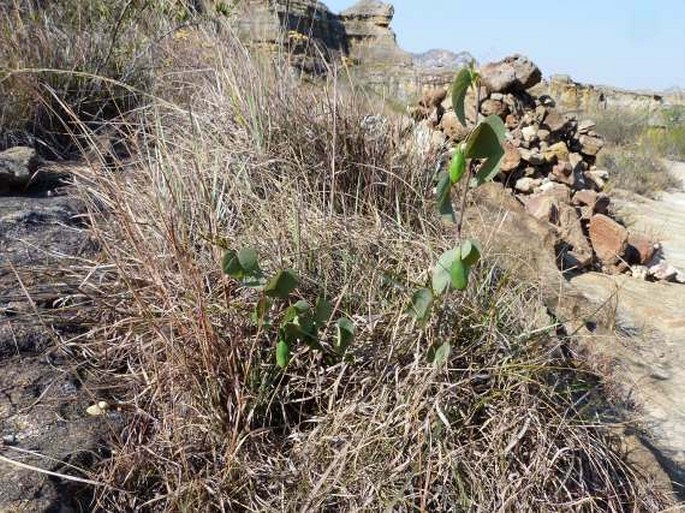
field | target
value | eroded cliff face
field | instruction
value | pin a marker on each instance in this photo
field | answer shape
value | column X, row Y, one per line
column 360, row 38
column 574, row 97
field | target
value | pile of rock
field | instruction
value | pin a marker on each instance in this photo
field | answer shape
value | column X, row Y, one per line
column 550, row 166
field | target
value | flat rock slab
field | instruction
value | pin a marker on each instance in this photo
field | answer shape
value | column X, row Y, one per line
column 662, row 219
column 648, row 353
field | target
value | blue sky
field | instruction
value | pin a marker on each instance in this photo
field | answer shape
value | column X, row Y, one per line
column 634, row 44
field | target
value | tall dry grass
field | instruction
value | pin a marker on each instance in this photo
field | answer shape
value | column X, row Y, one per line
column 207, row 420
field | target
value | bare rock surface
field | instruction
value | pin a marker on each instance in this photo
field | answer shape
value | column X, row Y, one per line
column 662, row 219
column 42, row 395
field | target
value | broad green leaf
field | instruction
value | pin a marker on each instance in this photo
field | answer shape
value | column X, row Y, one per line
column 459, row 88
column 282, row 284
column 344, row 334
column 444, row 200
column 322, row 311
column 421, row 303
column 441, row 271
column 459, row 274
column 486, row 139
column 485, row 142
column 457, row 166
column 248, row 259
column 299, row 308
column 442, row 354
column 282, row 353
column 231, row 265
column 470, row 252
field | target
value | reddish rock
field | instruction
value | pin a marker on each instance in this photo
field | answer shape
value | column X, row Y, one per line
column 452, row 128
column 555, row 122
column 512, row 158
column 433, row 97
column 640, row 250
column 497, row 107
column 585, row 197
column 513, row 73
column 609, row 239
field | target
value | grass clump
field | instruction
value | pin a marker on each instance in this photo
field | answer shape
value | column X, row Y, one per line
column 212, row 423
column 93, row 59
column 636, row 149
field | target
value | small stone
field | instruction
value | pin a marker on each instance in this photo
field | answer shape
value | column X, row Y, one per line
column 557, row 152
column 529, row 133
column 585, row 197
column 543, row 207
column 578, row 254
column 511, row 121
column 544, row 134
column 452, row 127
column 512, row 158
column 609, row 239
column 17, row 166
column 497, row 107
column 663, row 271
column 639, row 271
column 533, row 157
column 590, row 145
column 433, row 97
column 526, row 184
column 597, row 178
column 556, row 190
column 555, row 122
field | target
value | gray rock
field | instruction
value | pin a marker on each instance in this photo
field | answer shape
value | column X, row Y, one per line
column 17, row 166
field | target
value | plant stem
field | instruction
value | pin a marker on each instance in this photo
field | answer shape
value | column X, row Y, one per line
column 469, row 173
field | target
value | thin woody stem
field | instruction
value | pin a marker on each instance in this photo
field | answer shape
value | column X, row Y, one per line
column 471, row 166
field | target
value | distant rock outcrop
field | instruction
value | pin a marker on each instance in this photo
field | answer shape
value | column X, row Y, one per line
column 360, row 37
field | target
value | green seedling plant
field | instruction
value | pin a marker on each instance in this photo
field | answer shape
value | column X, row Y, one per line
column 476, row 161
column 300, row 322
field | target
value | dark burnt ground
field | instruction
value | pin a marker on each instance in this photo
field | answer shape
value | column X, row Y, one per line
column 43, row 394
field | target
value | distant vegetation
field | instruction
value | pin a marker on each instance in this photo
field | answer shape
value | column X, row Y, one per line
column 638, row 143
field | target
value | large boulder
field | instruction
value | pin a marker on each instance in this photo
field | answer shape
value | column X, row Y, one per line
column 511, row 74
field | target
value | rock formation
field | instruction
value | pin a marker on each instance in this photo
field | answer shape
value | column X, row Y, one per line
column 549, row 165
column 359, row 38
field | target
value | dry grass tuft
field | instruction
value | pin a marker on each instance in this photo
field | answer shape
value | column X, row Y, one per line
column 211, row 424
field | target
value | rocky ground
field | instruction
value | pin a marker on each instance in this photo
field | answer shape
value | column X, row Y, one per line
column 43, row 399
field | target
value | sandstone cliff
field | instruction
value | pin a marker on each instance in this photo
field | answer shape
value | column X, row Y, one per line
column 359, row 37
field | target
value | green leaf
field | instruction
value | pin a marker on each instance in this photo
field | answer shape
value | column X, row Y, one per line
column 459, row 274
column 421, row 303
column 442, row 354
column 282, row 284
column 322, row 311
column 441, row 272
column 444, row 200
column 282, row 353
column 457, row 166
column 459, row 88
column 231, row 265
column 248, row 259
column 485, row 142
column 344, row 334
column 470, row 252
